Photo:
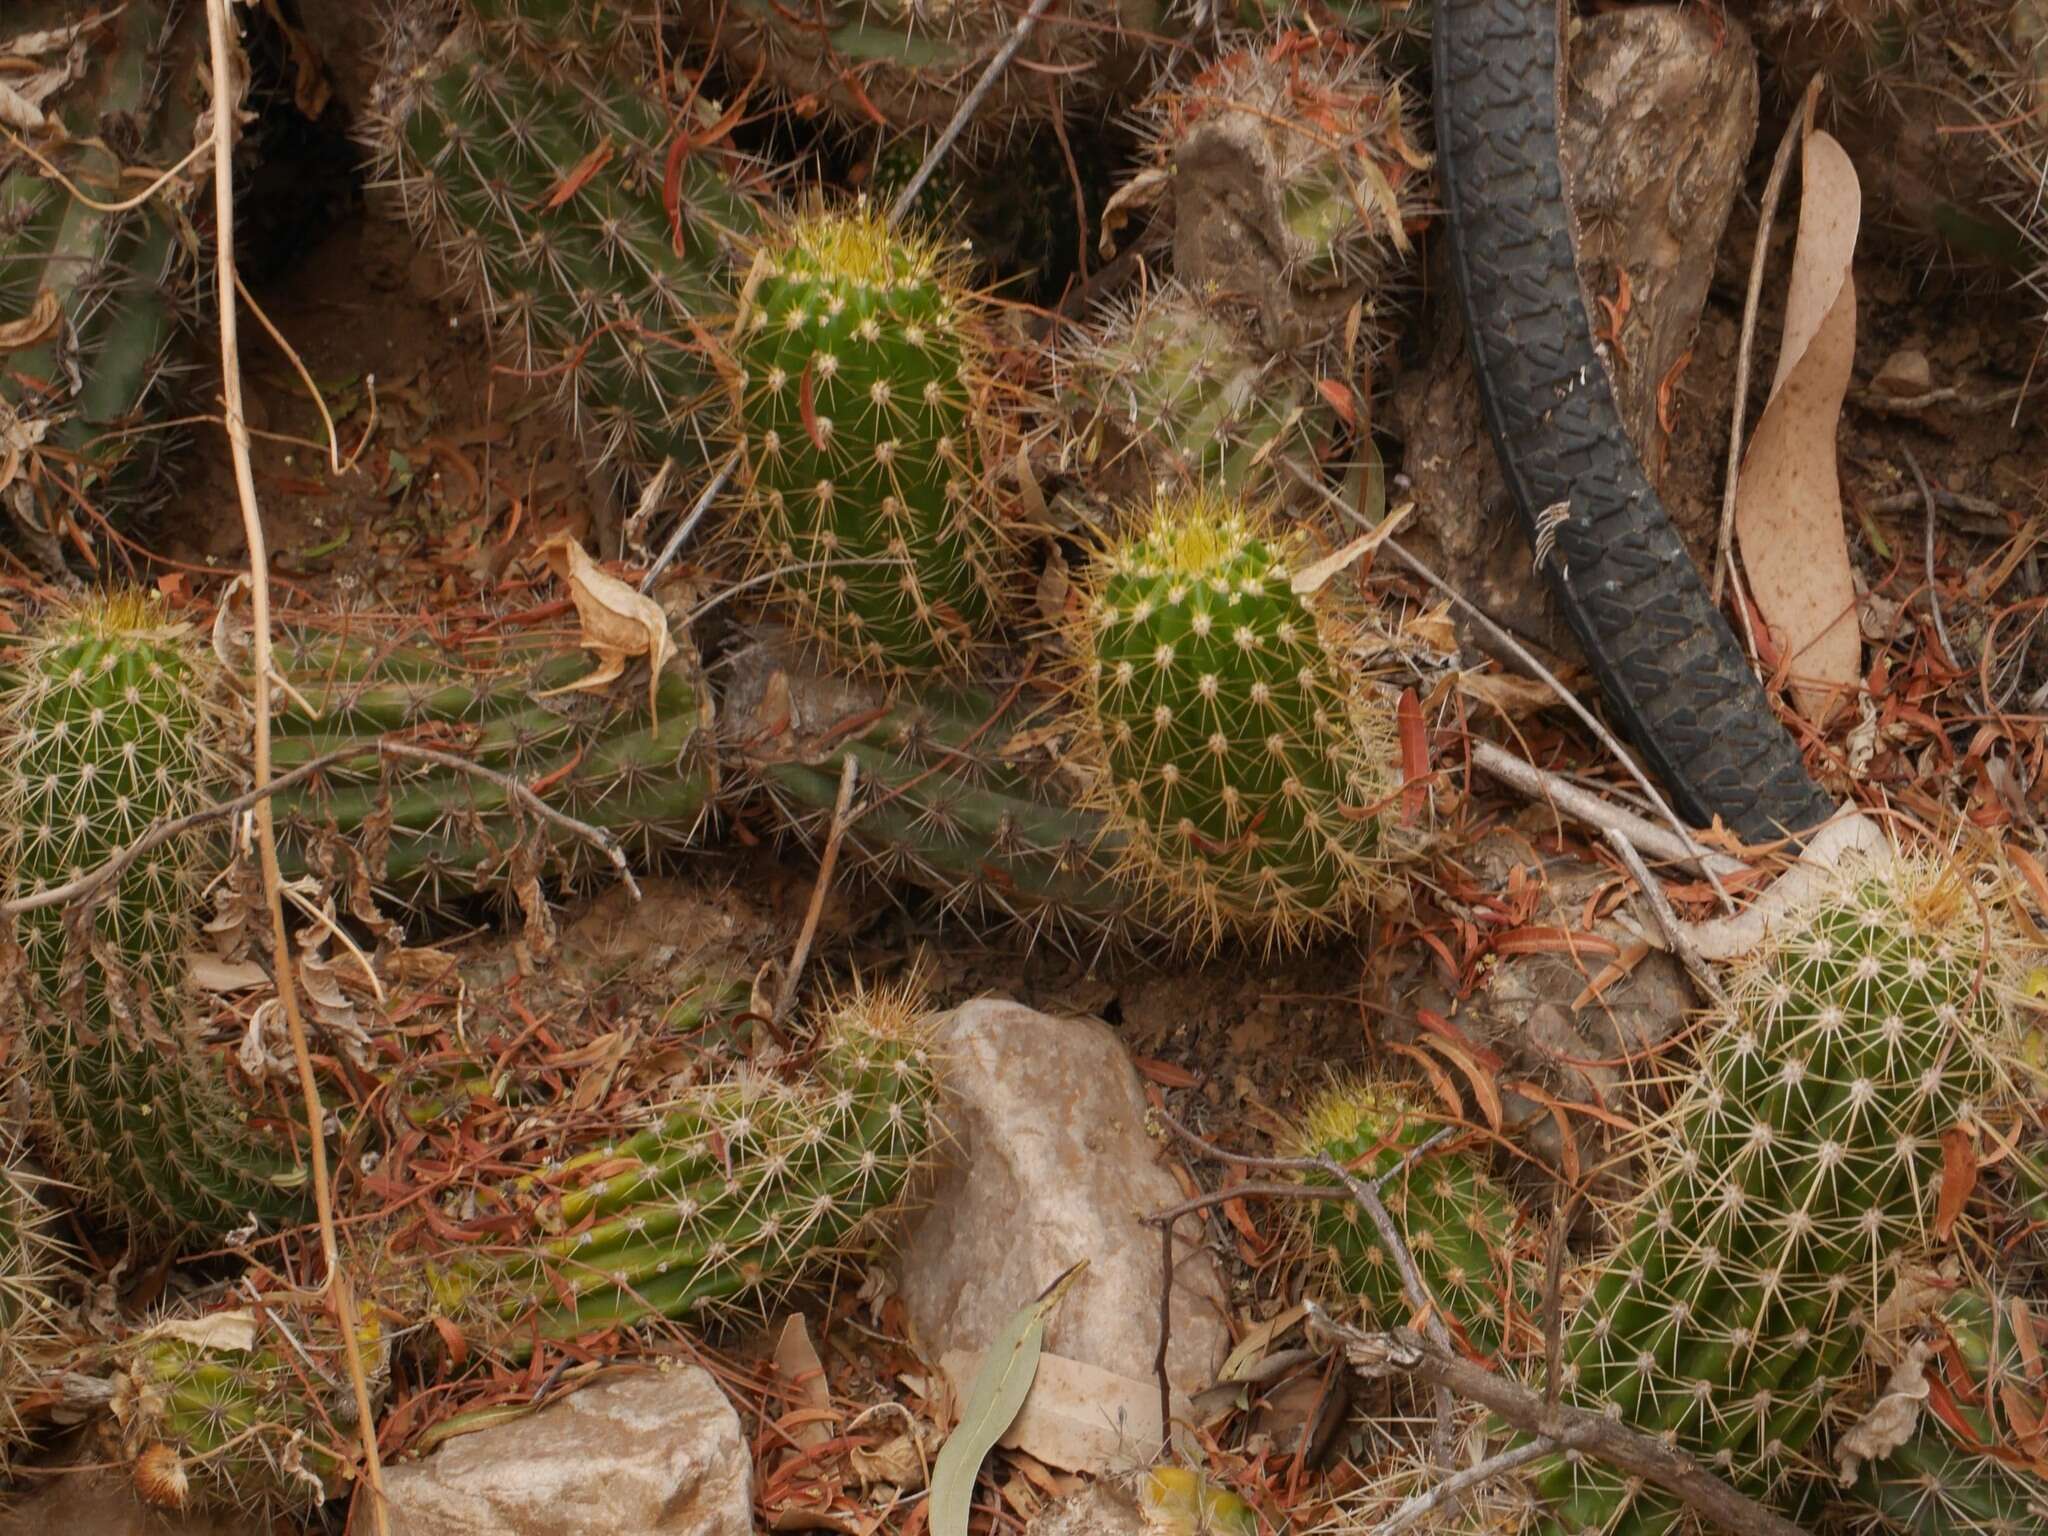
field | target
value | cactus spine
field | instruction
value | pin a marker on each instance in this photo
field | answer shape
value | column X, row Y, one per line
column 1458, row 1224
column 1242, row 765
column 109, row 729
column 525, row 147
column 214, row 1414
column 427, row 831
column 1172, row 394
column 1797, row 1169
column 103, row 290
column 28, row 1313
column 860, row 403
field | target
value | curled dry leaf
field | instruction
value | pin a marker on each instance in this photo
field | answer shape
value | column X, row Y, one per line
column 1788, row 508
column 619, row 624
column 1891, row 1421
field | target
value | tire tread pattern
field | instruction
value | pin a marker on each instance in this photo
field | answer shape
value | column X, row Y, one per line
column 1666, row 659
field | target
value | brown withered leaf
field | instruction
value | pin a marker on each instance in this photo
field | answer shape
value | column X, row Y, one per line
column 619, row 624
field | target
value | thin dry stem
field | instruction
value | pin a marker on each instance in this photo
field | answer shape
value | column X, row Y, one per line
column 849, row 774
column 340, row 1300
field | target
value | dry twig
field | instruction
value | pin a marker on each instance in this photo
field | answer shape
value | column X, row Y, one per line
column 339, row 1298
column 849, row 774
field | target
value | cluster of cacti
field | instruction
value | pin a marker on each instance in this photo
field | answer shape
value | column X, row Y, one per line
column 1302, row 139
column 959, row 791
column 425, row 830
column 249, row 1409
column 867, row 434
column 1458, row 1224
column 1794, row 1177
column 28, row 1311
column 732, row 1196
column 93, row 298
column 538, row 148
column 1171, row 393
column 1245, row 766
column 909, row 63
column 110, row 727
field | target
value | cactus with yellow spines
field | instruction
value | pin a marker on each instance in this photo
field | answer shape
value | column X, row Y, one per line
column 1245, row 769
column 1172, row 392
column 1459, row 1225
column 1788, row 1185
column 862, row 401
column 538, row 149
column 110, row 726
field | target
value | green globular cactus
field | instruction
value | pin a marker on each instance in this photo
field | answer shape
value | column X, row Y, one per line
column 959, row 791
column 868, row 440
column 1244, row 767
column 1296, row 169
column 426, row 832
column 571, row 203
column 909, row 63
column 1172, row 393
column 1458, row 1224
column 733, row 1196
column 1789, row 1184
column 244, row 1409
column 109, row 727
column 98, row 296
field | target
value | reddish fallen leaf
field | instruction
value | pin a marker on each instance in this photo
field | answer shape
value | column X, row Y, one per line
column 1958, row 1179
column 1414, row 757
column 581, row 172
column 1165, row 1073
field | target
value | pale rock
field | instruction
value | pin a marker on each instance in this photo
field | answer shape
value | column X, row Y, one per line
column 1101, row 1509
column 653, row 1454
column 1050, row 1163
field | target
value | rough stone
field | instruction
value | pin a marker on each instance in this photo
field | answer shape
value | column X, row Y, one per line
column 657, row 1452
column 1050, row 1164
column 1102, row 1509
column 1659, row 122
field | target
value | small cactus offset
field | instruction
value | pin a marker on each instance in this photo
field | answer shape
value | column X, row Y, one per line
column 531, row 149
column 1799, row 1167
column 734, row 1195
column 426, row 831
column 100, row 295
column 1930, row 1486
column 960, row 792
column 1458, row 1224
column 1172, row 394
column 1245, row 768
column 243, row 1409
column 909, row 63
column 861, row 398
column 109, row 727
column 1302, row 139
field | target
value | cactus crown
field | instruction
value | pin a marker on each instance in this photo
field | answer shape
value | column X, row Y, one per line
column 1797, row 1170
column 1243, row 765
column 860, row 406
column 1458, row 1224
column 110, row 728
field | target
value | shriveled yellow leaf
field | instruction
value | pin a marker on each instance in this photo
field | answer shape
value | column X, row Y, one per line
column 1312, row 579
column 34, row 327
column 619, row 624
column 1788, row 509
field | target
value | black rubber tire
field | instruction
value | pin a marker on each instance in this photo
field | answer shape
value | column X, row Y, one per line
column 1676, row 681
